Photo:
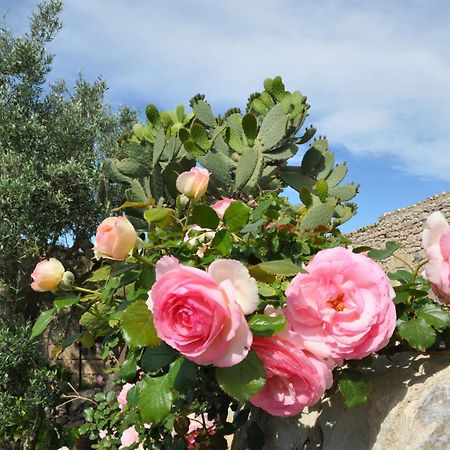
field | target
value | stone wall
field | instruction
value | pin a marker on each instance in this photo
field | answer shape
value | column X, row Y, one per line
column 404, row 225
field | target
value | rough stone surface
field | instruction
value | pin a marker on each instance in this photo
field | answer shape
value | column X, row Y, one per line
column 404, row 225
column 408, row 409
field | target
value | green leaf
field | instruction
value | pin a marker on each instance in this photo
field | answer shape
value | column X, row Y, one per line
column 244, row 379
column 137, row 326
column 223, row 242
column 203, row 112
column 378, row 254
column 66, row 301
column 250, row 127
column 42, row 322
column 133, row 394
column 273, row 127
column 199, row 136
column 156, row 214
column 69, row 340
column 282, row 267
column 205, row 217
column 128, row 368
column 419, row 334
column 434, row 315
column 121, row 268
column 262, row 325
column 100, row 274
column 157, row 357
column 155, row 399
column 183, row 374
column 354, row 387
column 236, row 216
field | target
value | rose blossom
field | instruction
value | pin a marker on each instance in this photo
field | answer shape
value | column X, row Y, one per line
column 295, row 378
column 201, row 314
column 221, row 206
column 344, row 302
column 47, row 275
column 122, row 397
column 115, row 238
column 129, row 436
column 195, row 428
column 436, row 242
column 193, row 183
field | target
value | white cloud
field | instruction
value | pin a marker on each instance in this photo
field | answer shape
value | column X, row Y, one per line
column 377, row 73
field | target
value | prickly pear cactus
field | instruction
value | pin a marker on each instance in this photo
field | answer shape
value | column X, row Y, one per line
column 245, row 154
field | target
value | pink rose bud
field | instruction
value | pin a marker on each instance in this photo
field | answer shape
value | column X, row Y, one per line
column 47, row 275
column 194, row 183
column 129, row 437
column 343, row 302
column 295, row 378
column 115, row 238
column 122, row 397
column 436, row 242
column 221, row 206
column 201, row 314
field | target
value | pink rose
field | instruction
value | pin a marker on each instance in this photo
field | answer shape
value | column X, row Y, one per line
column 47, row 275
column 129, row 436
column 221, row 206
column 115, row 238
column 295, row 378
column 102, row 434
column 436, row 242
column 345, row 301
column 122, row 397
column 201, row 314
column 194, row 183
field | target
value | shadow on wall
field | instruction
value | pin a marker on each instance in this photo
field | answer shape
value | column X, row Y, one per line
column 407, row 409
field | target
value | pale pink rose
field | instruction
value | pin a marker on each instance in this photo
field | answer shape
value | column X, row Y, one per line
column 345, row 302
column 295, row 378
column 115, row 238
column 122, row 397
column 47, row 275
column 129, row 436
column 63, row 448
column 436, row 242
column 193, row 183
column 201, row 314
column 102, row 434
column 221, row 206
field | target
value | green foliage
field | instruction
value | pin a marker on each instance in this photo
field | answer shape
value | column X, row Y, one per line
column 242, row 380
column 29, row 391
column 52, row 141
column 354, row 387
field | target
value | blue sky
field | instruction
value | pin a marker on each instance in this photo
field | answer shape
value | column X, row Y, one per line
column 376, row 73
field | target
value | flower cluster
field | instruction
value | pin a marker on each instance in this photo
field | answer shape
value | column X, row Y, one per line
column 202, row 305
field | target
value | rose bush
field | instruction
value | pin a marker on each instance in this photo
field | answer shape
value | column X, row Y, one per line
column 232, row 296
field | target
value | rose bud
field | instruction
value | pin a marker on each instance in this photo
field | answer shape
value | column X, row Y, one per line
column 115, row 238
column 47, row 275
column 194, row 183
column 67, row 281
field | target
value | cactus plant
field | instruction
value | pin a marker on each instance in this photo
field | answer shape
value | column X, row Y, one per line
column 245, row 153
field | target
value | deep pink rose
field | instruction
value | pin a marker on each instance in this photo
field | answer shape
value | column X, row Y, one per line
column 221, row 206
column 129, row 437
column 201, row 314
column 345, row 301
column 47, row 275
column 115, row 238
column 122, row 397
column 436, row 242
column 295, row 378
column 193, row 183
